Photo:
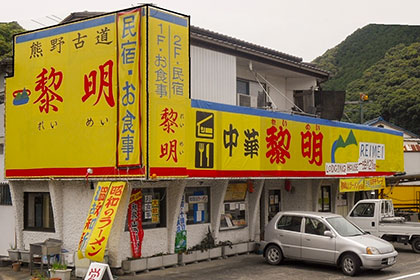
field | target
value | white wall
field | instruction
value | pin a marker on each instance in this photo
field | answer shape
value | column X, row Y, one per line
column 213, row 76
column 7, row 231
column 412, row 162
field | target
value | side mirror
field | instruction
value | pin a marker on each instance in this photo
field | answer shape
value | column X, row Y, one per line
column 328, row 233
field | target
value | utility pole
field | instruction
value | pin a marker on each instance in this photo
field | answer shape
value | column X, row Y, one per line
column 363, row 98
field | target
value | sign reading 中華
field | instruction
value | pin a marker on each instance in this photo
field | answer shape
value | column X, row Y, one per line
column 272, row 144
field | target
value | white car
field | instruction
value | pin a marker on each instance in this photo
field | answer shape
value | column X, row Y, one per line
column 324, row 238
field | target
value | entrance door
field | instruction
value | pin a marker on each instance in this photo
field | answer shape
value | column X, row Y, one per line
column 273, row 203
column 325, row 199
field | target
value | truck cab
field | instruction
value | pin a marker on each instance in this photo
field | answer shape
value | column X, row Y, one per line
column 376, row 216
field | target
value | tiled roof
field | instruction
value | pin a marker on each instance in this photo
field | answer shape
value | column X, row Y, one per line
column 208, row 37
column 411, row 147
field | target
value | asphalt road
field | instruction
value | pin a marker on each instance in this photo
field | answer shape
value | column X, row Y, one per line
column 252, row 266
column 246, row 267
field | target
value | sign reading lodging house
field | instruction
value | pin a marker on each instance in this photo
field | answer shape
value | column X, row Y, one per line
column 112, row 94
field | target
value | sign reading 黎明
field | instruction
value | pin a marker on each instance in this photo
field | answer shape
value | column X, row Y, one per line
column 112, row 94
column 79, row 97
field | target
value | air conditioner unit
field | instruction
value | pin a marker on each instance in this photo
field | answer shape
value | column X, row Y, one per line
column 243, row 100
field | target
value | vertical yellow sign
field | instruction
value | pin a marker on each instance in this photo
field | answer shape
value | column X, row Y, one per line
column 129, row 88
column 94, row 211
column 95, row 248
column 168, row 89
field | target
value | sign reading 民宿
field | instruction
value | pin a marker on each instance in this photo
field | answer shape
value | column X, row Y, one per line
column 129, row 88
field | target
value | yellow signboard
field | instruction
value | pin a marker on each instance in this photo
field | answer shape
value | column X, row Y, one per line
column 61, row 103
column 362, row 184
column 168, row 90
column 270, row 144
column 129, row 88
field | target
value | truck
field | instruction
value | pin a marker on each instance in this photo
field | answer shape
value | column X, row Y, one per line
column 377, row 217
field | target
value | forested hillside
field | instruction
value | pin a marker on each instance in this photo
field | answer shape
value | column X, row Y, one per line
column 393, row 86
column 382, row 61
column 7, row 30
column 348, row 60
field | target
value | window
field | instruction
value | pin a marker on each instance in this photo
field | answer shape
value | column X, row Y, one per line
column 242, row 87
column 153, row 204
column 154, row 208
column 197, row 202
column 291, row 223
column 251, row 94
column 315, row 226
column 363, row 210
column 5, row 198
column 234, row 210
column 325, row 199
column 38, row 213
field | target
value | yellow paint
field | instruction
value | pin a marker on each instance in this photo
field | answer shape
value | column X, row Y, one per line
column 129, row 88
column 78, row 134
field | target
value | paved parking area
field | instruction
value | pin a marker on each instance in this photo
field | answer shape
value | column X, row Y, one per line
column 247, row 267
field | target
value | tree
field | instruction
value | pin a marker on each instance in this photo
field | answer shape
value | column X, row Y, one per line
column 7, row 30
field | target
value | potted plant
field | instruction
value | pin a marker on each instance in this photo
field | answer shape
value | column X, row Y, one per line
column 59, row 270
column 38, row 276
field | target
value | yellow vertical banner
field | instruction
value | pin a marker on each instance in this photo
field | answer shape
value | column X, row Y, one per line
column 94, row 211
column 129, row 88
column 168, row 89
column 95, row 249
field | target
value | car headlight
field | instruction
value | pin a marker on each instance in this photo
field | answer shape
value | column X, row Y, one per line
column 372, row 251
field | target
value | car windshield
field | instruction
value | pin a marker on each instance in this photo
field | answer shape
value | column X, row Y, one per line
column 344, row 227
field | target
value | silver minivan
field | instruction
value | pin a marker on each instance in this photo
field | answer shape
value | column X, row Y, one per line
column 324, row 238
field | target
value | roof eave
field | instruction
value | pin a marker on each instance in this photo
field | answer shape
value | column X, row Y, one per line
column 253, row 54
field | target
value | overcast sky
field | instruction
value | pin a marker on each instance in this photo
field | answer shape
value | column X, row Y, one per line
column 303, row 28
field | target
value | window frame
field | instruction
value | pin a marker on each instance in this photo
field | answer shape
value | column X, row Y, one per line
column 323, row 205
column 366, row 205
column 5, row 196
column 289, row 224
column 162, row 210
column 46, row 198
column 207, row 205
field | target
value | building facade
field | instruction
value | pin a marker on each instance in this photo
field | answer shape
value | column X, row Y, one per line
column 220, row 179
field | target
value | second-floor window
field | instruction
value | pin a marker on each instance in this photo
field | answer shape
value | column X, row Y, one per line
column 250, row 94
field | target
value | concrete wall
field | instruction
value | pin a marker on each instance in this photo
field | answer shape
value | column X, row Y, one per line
column 7, row 231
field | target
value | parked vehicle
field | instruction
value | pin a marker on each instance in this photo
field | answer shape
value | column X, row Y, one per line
column 324, row 238
column 377, row 217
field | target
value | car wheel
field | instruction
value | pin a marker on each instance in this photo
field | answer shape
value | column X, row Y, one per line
column 350, row 264
column 273, row 255
column 415, row 244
